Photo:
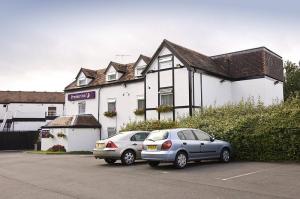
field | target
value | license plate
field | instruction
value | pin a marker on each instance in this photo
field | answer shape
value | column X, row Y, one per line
column 152, row 147
column 100, row 145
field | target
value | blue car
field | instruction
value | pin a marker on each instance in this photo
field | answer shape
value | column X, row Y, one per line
column 182, row 145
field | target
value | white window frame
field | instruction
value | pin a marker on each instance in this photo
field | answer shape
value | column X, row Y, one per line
column 110, row 74
column 164, row 92
column 164, row 60
column 83, row 104
column 139, row 70
column 137, row 101
column 52, row 112
column 112, row 101
column 113, row 129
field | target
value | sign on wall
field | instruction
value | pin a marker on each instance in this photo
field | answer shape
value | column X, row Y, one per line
column 82, row 96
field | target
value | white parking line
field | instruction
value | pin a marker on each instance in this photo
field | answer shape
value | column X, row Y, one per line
column 241, row 175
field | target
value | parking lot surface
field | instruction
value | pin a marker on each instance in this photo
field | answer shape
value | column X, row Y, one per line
column 24, row 175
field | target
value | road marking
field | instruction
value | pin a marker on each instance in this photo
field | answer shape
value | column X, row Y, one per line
column 241, row 175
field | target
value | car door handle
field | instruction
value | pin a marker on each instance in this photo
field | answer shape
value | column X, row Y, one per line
column 184, row 143
column 134, row 144
column 202, row 143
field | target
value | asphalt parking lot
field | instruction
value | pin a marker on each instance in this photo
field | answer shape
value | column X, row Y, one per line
column 24, row 175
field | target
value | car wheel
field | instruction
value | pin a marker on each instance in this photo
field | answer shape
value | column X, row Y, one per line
column 180, row 160
column 153, row 163
column 110, row 161
column 128, row 157
column 225, row 155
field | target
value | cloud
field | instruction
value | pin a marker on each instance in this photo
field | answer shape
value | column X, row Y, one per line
column 44, row 44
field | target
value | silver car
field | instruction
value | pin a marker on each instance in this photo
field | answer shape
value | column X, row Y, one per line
column 182, row 145
column 125, row 146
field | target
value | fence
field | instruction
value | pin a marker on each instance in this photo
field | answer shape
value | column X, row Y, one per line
column 18, row 140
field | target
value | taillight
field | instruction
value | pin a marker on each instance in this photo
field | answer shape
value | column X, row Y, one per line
column 143, row 147
column 111, row 144
column 166, row 145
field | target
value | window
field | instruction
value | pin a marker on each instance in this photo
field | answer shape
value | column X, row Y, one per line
column 139, row 70
column 111, row 105
column 81, row 108
column 202, row 135
column 112, row 76
column 165, row 62
column 51, row 111
column 82, row 82
column 111, row 131
column 166, row 96
column 140, row 104
column 140, row 137
column 158, row 135
column 166, row 99
column 189, row 135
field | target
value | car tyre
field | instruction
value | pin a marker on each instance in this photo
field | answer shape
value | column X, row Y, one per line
column 180, row 160
column 153, row 163
column 128, row 157
column 225, row 155
column 110, row 161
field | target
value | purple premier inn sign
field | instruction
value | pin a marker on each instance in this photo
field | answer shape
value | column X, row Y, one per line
column 82, row 96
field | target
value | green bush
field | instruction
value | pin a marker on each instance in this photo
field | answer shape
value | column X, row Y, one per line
column 256, row 132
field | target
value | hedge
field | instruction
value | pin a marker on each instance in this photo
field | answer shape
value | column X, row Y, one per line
column 256, row 132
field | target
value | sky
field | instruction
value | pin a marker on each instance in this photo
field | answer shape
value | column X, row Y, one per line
column 44, row 43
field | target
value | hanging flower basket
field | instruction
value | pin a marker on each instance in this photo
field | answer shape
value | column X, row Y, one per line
column 164, row 109
column 110, row 113
column 139, row 112
column 61, row 135
column 47, row 135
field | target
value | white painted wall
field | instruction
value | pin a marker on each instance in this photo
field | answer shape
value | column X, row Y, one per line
column 126, row 103
column 71, row 107
column 28, row 110
column 215, row 92
column 77, row 139
column 262, row 89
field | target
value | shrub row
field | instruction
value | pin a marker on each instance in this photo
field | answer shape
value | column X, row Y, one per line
column 256, row 132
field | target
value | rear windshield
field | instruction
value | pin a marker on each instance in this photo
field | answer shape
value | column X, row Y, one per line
column 158, row 135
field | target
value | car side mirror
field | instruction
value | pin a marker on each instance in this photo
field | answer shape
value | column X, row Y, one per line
column 212, row 139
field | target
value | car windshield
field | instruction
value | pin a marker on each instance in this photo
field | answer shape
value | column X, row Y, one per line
column 158, row 135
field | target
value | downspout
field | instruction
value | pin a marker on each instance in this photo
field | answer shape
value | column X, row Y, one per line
column 99, row 111
column 190, row 93
column 201, row 92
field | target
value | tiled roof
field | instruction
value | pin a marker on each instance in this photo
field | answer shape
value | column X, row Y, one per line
column 145, row 58
column 89, row 73
column 195, row 59
column 76, row 121
column 31, row 97
column 233, row 66
column 100, row 79
column 251, row 63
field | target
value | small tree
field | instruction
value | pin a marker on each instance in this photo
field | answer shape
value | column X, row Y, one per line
column 292, row 79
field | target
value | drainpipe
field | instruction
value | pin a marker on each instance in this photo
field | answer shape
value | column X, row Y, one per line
column 99, row 110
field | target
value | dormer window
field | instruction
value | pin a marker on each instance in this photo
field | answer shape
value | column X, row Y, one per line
column 139, row 70
column 82, row 81
column 111, row 76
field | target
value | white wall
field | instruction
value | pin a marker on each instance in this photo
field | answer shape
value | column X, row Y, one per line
column 181, row 87
column 28, row 110
column 71, row 107
column 126, row 103
column 77, row 139
column 262, row 89
column 32, row 110
column 215, row 92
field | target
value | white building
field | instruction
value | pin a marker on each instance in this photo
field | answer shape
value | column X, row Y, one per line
column 75, row 133
column 28, row 111
column 177, row 79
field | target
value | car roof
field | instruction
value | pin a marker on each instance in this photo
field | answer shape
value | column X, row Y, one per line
column 176, row 129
